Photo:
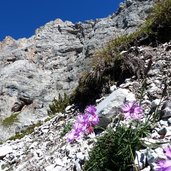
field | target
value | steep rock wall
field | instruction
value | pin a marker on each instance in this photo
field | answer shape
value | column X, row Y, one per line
column 33, row 71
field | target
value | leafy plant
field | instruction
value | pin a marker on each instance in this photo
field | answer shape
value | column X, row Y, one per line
column 116, row 149
column 58, row 105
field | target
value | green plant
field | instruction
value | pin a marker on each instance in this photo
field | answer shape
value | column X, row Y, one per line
column 10, row 120
column 158, row 24
column 58, row 105
column 115, row 150
column 27, row 131
column 66, row 129
column 4, row 167
column 114, row 68
column 161, row 13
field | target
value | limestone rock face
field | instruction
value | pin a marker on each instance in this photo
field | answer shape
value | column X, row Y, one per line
column 33, row 71
column 46, row 150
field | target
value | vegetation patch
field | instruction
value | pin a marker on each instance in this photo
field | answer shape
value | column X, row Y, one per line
column 27, row 131
column 160, row 21
column 58, row 105
column 110, row 65
column 115, row 150
column 10, row 120
column 66, row 129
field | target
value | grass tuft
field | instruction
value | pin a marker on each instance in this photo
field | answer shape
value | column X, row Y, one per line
column 27, row 131
column 10, row 120
column 58, row 105
column 66, row 129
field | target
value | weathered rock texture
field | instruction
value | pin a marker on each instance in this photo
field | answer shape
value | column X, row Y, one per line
column 46, row 150
column 33, row 71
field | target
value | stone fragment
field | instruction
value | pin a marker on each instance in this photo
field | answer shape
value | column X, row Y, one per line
column 162, row 132
column 155, row 103
column 4, row 150
column 114, row 101
column 166, row 110
column 140, row 159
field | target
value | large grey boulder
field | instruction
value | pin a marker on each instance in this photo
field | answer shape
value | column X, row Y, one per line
column 114, row 101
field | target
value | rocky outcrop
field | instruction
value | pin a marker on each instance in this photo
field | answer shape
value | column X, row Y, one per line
column 46, row 150
column 33, row 71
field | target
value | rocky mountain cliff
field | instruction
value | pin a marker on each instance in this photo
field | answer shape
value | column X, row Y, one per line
column 46, row 148
column 33, row 71
column 128, row 128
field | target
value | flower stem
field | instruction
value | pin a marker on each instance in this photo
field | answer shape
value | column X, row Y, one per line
column 133, row 157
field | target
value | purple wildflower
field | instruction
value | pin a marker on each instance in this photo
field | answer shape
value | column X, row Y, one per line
column 93, row 119
column 167, row 151
column 71, row 136
column 83, row 124
column 90, row 109
column 132, row 110
column 165, row 165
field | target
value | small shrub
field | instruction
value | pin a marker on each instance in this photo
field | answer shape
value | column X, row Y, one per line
column 58, row 105
column 115, row 150
column 10, row 120
column 66, row 129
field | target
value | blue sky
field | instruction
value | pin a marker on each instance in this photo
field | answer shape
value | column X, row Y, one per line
column 20, row 18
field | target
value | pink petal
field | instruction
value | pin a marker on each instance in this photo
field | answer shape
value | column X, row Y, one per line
column 137, row 110
column 127, row 106
column 164, row 165
column 80, row 118
column 167, row 151
column 127, row 115
column 91, row 109
column 71, row 136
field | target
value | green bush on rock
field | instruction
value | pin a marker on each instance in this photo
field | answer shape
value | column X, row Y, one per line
column 58, row 105
column 115, row 150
